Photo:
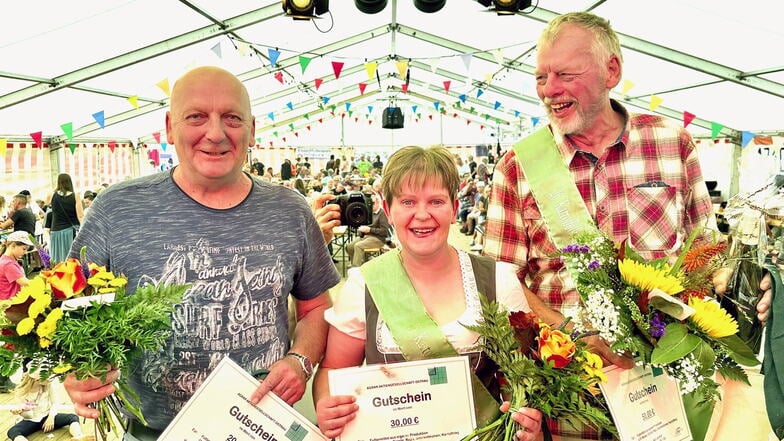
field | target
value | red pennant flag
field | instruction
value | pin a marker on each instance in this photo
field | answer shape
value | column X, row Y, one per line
column 284, row 139
column 112, row 145
column 318, row 82
column 688, row 118
column 446, row 85
column 337, row 66
column 332, row 112
column 279, row 77
column 270, row 143
column 454, row 115
column 362, row 87
column 370, row 121
column 468, row 122
column 296, row 134
column 157, row 136
column 343, row 115
column 308, row 127
column 482, row 127
column 431, row 117
column 321, row 120
column 356, row 119
column 404, row 87
column 37, row 139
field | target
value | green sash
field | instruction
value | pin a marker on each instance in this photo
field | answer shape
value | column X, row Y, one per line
column 416, row 333
column 553, row 188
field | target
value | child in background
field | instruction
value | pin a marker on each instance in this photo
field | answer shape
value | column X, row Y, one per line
column 38, row 403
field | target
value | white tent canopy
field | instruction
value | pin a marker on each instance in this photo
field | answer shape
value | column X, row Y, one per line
column 69, row 63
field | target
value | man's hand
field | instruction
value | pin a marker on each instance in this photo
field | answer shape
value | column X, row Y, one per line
column 763, row 306
column 86, row 392
column 327, row 215
column 530, row 421
column 721, row 279
column 285, row 379
column 363, row 229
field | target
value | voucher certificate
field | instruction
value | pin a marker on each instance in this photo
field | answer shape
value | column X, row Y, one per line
column 220, row 410
column 416, row 400
column 646, row 405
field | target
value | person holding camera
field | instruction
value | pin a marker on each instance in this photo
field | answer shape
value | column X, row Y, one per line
column 370, row 236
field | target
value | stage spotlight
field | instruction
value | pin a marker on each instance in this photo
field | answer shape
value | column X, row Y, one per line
column 370, row 6
column 429, row 5
column 305, row 9
column 506, row 7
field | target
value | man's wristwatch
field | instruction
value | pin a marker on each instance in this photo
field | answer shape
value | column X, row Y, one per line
column 307, row 365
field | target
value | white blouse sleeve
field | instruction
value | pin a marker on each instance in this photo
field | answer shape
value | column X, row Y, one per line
column 509, row 291
column 347, row 313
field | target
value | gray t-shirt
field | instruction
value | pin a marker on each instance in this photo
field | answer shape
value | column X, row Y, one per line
column 243, row 262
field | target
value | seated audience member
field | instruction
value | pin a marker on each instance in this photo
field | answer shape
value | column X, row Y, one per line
column 20, row 217
column 370, row 236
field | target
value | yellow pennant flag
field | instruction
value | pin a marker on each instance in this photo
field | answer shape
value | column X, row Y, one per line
column 370, row 68
column 402, row 67
column 164, row 86
column 134, row 100
column 243, row 48
column 655, row 102
column 488, row 77
column 498, row 54
column 3, row 146
column 627, row 86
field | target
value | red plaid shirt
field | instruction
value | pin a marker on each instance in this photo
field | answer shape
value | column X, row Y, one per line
column 647, row 189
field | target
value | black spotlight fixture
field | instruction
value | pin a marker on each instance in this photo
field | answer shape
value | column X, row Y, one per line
column 506, row 7
column 429, row 5
column 370, row 6
column 305, row 9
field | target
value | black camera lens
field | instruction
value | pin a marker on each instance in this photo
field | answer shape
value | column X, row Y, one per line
column 357, row 214
column 356, row 209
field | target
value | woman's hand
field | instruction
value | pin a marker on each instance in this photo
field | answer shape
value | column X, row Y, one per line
column 84, row 393
column 49, row 423
column 334, row 412
column 285, row 379
column 530, row 421
column 763, row 306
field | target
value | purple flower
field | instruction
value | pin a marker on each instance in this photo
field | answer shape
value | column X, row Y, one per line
column 46, row 260
column 657, row 326
column 584, row 248
column 594, row 265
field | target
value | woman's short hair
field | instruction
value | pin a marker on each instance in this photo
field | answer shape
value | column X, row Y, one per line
column 417, row 165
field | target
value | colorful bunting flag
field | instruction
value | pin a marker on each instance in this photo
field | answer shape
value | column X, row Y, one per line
column 467, row 61
column 217, row 50
column 402, row 68
column 516, row 113
column 404, row 87
column 370, row 109
column 715, row 129
column 274, row 54
column 496, row 105
column 362, row 87
column 290, row 105
column 157, row 137
column 462, row 97
column 745, row 137
column 534, row 121
column 72, row 148
column 99, row 118
column 271, row 116
column 337, row 66
column 436, row 104
column 447, row 83
column 414, row 108
column 318, row 82
column 325, row 99
column 279, row 76
column 164, row 86
column 134, row 100
column 68, row 130
column 348, row 106
column 479, row 92
column 627, row 86
column 370, row 68
column 37, row 139
column 688, row 117
column 303, row 63
column 655, row 103
column 163, row 146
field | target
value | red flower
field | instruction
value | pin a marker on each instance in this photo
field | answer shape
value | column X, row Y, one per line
column 555, row 346
column 526, row 326
column 66, row 279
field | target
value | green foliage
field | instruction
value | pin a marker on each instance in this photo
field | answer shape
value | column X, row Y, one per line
column 676, row 343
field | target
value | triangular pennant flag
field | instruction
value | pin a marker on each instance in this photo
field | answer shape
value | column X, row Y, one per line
column 164, row 86
column 291, row 126
column 481, row 127
column 467, row 61
column 655, row 102
column 308, row 127
column 402, row 68
column 217, row 50
column 112, row 145
column 99, row 118
column 68, row 130
column 356, row 119
column 414, row 108
column 436, row 104
column 321, row 120
column 462, row 97
column 271, row 144
column 479, row 92
column 296, row 134
column 454, row 115
column 242, row 48
column 303, row 63
column 430, row 116
column 37, row 138
column 517, row 113
column 284, row 139
column 134, row 100
column 404, row 87
column 3, row 147
column 290, row 105
column 163, row 146
column 488, row 78
column 362, row 87
column 688, row 117
column 271, row 116
column 498, row 54
column 534, row 121
column 307, row 116
column 745, row 137
column 275, row 133
column 496, row 105
column 468, row 121
column 157, row 136
column 370, row 68
column 370, row 109
column 337, row 66
column 715, row 129
column 72, row 148
column 325, row 99
column 274, row 54
column 419, row 115
column 487, row 117
column 318, row 82
column 279, row 76
column 333, row 107
column 348, row 106
column 627, row 86
column 447, row 83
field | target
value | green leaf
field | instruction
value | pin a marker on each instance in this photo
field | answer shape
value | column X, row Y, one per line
column 674, row 345
column 705, row 357
column 739, row 351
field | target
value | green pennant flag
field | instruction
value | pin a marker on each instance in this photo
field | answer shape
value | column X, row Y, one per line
column 303, row 62
column 67, row 129
column 291, row 126
column 72, row 148
column 715, row 129
column 307, row 116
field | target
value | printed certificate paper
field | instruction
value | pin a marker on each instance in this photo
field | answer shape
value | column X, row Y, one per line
column 645, row 406
column 220, row 411
column 416, row 400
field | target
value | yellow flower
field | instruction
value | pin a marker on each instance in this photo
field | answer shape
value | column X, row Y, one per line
column 646, row 277
column 711, row 318
column 61, row 368
column 25, row 326
column 36, row 287
column 39, row 306
column 47, row 327
column 44, row 342
column 592, row 365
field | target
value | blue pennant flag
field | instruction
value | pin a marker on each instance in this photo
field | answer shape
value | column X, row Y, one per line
column 479, row 92
column 413, row 108
column 99, row 118
column 745, row 138
column 463, row 98
column 348, row 106
column 273, row 56
column 370, row 109
column 517, row 113
column 496, row 105
column 271, row 116
column 325, row 99
column 290, row 106
column 534, row 121
column 436, row 104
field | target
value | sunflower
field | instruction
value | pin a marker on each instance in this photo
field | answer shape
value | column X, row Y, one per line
column 647, row 277
column 711, row 318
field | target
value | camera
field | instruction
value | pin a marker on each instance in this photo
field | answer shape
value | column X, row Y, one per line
column 356, row 208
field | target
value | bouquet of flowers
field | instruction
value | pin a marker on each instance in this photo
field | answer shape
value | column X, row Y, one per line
column 660, row 312
column 544, row 368
column 77, row 319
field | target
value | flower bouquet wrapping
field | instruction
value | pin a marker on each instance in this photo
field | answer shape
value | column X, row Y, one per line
column 542, row 367
column 664, row 314
column 77, row 319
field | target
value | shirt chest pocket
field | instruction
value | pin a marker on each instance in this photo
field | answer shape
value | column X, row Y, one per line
column 655, row 216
